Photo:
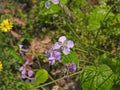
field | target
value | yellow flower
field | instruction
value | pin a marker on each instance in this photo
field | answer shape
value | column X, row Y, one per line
column 6, row 25
column 0, row 66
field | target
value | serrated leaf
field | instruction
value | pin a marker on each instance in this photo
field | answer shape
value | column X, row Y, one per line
column 97, row 78
column 41, row 76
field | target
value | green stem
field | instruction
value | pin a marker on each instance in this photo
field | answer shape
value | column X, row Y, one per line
column 59, row 79
column 52, row 79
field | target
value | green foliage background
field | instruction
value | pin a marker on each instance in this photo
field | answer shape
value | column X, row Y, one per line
column 93, row 25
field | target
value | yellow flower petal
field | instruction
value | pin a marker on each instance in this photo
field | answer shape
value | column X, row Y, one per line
column 6, row 25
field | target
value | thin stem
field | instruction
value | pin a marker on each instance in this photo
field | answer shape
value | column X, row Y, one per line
column 52, row 79
column 59, row 79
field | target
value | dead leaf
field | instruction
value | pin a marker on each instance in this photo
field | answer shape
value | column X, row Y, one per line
column 6, row 11
column 38, row 46
column 46, row 40
column 113, row 51
column 14, row 34
column 29, row 58
column 19, row 21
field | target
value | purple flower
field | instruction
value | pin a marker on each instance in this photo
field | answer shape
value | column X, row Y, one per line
column 65, row 44
column 71, row 67
column 22, row 50
column 57, row 46
column 33, row 79
column 23, row 70
column 26, row 71
column 47, row 4
column 23, row 76
column 55, row 1
column 53, row 55
column 30, row 73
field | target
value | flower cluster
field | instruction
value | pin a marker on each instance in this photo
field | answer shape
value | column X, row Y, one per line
column 6, row 25
column 64, row 44
column 26, row 70
column 1, row 66
column 47, row 4
column 54, row 53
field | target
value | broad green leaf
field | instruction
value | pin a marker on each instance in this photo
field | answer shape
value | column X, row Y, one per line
column 72, row 57
column 41, row 76
column 97, row 78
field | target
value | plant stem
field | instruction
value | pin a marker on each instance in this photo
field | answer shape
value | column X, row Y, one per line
column 52, row 79
column 59, row 79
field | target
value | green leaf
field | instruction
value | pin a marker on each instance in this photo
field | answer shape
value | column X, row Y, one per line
column 72, row 57
column 41, row 76
column 96, row 16
column 63, row 2
column 13, row 53
column 97, row 78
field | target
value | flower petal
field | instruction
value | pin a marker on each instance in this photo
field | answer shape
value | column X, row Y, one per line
column 23, row 71
column 57, row 45
column 21, row 68
column 30, row 73
column 52, row 62
column 73, row 66
column 70, row 44
column 62, row 39
column 57, row 55
column 66, row 50
column 23, row 76
column 55, row 1
column 47, row 4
